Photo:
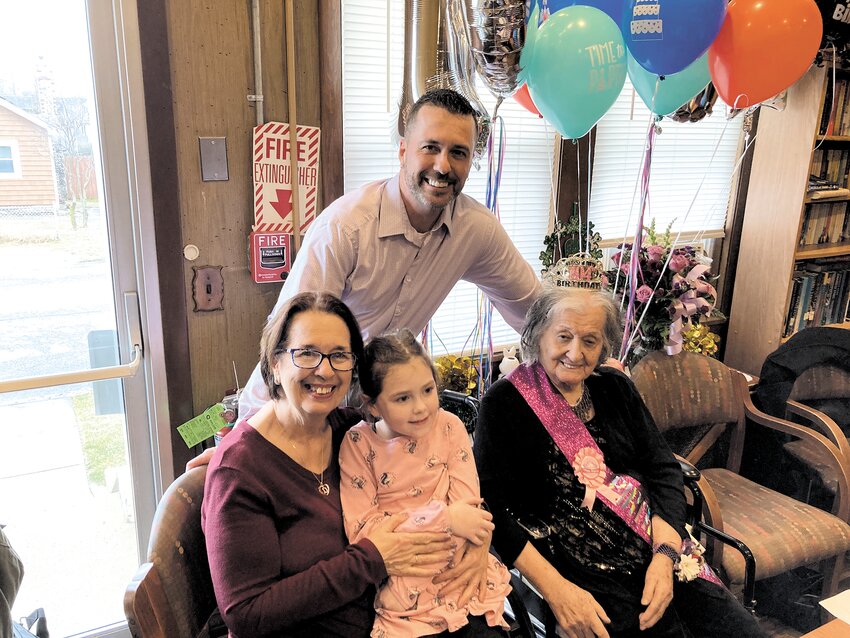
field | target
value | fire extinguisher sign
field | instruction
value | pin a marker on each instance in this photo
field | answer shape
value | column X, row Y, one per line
column 273, row 181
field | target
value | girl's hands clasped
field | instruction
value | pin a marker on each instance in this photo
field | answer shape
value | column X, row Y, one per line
column 471, row 522
column 411, row 553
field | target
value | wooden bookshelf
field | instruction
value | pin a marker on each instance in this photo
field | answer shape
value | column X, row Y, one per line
column 822, row 251
column 779, row 238
column 840, row 139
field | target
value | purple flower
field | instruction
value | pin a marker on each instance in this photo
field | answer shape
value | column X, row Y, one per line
column 654, row 253
column 679, row 262
column 643, row 294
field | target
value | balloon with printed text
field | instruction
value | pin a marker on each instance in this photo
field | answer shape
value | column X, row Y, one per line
column 665, row 36
column 763, row 48
column 576, row 69
column 836, row 22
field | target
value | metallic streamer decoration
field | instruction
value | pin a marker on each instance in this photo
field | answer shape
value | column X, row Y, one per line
column 497, row 35
column 700, row 106
column 437, row 55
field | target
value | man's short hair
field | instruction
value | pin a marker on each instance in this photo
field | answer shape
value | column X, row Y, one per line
column 447, row 99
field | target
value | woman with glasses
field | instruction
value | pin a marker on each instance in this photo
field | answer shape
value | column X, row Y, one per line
column 279, row 558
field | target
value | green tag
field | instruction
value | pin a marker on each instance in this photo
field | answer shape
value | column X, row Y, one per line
column 202, row 426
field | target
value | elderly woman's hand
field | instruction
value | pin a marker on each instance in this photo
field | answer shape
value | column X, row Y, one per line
column 411, row 553
column 657, row 590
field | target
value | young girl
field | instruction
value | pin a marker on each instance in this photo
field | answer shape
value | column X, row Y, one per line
column 416, row 458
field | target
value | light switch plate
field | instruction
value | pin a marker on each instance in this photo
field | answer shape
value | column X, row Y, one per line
column 213, row 159
column 208, row 288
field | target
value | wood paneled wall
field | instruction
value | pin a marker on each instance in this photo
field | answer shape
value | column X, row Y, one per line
column 207, row 77
column 211, row 75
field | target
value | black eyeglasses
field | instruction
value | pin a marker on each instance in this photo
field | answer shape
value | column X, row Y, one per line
column 308, row 358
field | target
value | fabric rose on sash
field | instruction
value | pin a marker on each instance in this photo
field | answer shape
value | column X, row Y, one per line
column 589, row 466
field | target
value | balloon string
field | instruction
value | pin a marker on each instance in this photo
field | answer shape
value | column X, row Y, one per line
column 628, row 222
column 733, row 173
column 634, row 263
column 589, row 172
column 578, row 187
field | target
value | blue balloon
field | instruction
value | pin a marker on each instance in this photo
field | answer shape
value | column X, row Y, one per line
column 665, row 36
column 575, row 68
column 614, row 8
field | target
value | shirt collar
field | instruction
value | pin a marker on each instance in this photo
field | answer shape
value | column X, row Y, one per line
column 393, row 220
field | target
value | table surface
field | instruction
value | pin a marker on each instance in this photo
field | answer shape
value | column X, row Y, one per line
column 834, row 629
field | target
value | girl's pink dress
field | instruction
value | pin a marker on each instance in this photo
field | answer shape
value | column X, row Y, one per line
column 422, row 477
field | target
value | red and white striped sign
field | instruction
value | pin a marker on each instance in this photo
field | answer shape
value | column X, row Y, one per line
column 272, row 183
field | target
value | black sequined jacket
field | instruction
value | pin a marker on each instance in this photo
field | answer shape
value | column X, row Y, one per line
column 512, row 449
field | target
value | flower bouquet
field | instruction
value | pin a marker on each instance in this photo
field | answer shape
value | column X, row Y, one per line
column 669, row 288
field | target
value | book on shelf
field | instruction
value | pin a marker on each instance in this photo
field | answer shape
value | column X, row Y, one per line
column 820, row 295
column 830, row 193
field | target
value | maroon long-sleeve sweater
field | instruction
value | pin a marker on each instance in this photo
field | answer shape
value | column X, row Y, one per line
column 280, row 561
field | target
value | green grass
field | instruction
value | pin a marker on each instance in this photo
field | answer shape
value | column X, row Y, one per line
column 102, row 438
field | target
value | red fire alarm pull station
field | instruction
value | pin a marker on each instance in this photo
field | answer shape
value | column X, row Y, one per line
column 271, row 257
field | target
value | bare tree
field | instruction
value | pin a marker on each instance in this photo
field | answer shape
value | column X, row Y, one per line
column 74, row 153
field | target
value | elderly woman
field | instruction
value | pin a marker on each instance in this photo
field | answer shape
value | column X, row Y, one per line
column 280, row 561
column 586, row 496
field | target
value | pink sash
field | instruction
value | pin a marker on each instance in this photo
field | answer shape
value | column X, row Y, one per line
column 621, row 493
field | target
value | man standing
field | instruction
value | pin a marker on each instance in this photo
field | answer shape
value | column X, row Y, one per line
column 394, row 249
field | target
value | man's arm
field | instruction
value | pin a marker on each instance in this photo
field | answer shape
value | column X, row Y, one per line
column 504, row 275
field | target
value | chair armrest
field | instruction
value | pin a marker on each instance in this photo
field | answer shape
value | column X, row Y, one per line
column 749, row 560
column 689, row 471
column 459, row 397
column 833, row 455
column 823, row 422
column 691, row 477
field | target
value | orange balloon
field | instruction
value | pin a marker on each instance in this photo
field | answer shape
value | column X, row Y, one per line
column 763, row 47
column 524, row 98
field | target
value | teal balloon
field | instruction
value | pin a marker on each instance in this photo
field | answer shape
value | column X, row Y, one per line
column 576, row 68
column 674, row 90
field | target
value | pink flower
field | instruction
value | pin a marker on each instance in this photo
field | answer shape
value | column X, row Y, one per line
column 643, row 294
column 679, row 262
column 605, row 282
column 655, row 253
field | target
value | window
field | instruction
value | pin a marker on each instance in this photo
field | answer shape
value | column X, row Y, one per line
column 373, row 54
column 10, row 164
column 681, row 159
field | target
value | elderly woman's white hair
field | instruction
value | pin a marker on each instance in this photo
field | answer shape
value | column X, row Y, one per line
column 553, row 301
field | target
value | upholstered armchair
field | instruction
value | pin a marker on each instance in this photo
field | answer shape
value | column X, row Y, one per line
column 702, row 407
column 171, row 595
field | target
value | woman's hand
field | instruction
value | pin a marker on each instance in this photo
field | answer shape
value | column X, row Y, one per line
column 469, row 573
column 411, row 553
column 577, row 612
column 203, row 458
column 657, row 590
column 470, row 521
